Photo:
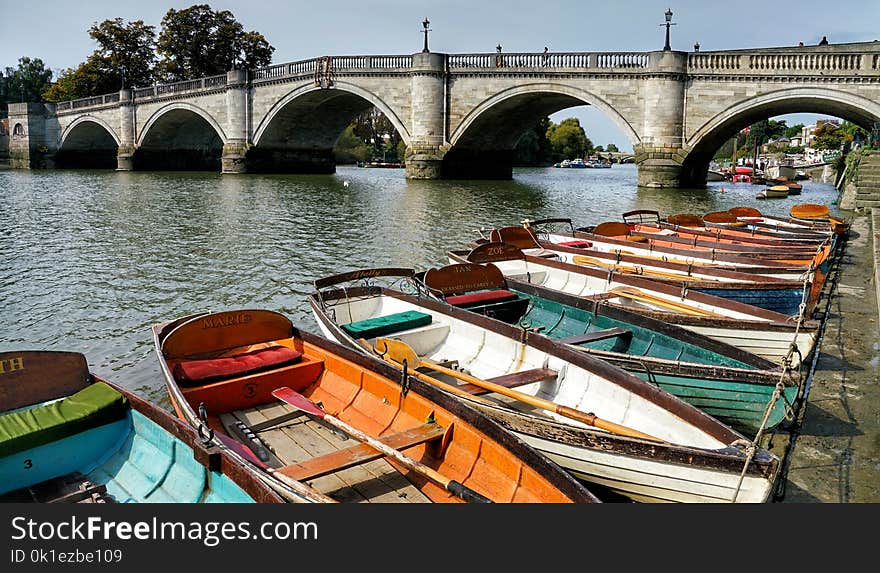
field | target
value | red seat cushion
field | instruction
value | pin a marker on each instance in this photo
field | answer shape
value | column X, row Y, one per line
column 483, row 297
column 194, row 372
column 577, row 244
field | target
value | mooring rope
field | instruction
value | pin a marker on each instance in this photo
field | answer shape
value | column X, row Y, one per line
column 778, row 390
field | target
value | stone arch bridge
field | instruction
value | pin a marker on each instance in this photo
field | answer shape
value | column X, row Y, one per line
column 460, row 115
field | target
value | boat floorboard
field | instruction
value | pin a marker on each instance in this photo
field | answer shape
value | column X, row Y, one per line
column 302, row 438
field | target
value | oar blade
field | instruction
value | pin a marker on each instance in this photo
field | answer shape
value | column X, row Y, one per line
column 397, row 351
column 241, row 450
column 297, row 400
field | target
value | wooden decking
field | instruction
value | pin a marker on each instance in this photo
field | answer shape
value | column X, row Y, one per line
column 338, row 466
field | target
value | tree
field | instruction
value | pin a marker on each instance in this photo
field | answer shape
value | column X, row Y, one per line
column 827, row 136
column 89, row 79
column 198, row 41
column 28, row 81
column 599, row 149
column 794, row 131
column 568, row 139
column 126, row 51
column 350, row 148
column 128, row 48
column 849, row 131
column 534, row 148
column 611, row 148
column 370, row 127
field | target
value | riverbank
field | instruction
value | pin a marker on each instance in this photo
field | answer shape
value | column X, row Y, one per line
column 835, row 458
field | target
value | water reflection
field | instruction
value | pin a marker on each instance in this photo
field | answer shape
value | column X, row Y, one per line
column 92, row 258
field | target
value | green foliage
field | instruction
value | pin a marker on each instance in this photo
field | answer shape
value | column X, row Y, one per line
column 793, row 131
column 850, row 131
column 89, row 79
column 827, row 136
column 611, row 148
column 198, row 41
column 533, row 148
column 125, row 48
column 26, row 82
column 125, row 52
column 568, row 140
column 370, row 127
column 350, row 148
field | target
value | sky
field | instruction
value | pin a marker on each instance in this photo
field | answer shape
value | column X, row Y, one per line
column 56, row 31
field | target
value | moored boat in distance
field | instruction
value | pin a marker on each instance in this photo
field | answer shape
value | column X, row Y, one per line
column 321, row 417
column 67, row 435
column 604, row 425
column 774, row 192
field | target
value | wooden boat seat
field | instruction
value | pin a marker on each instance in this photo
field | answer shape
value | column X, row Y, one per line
column 513, row 380
column 480, row 298
column 361, row 453
column 598, row 335
column 95, row 405
column 197, row 372
column 385, row 325
column 256, row 387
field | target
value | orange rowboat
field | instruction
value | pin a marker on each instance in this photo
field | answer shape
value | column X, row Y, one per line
column 791, row 256
column 240, row 374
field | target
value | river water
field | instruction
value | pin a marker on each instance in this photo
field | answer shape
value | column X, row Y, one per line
column 89, row 260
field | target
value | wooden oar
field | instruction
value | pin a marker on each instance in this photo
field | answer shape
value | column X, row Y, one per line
column 399, row 351
column 297, row 486
column 665, row 303
column 642, row 271
column 457, row 489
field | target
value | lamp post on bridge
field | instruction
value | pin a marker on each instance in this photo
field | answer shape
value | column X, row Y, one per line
column 669, row 23
column 425, row 32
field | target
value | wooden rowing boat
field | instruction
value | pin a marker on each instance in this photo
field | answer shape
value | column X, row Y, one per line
column 727, row 220
column 604, row 425
column 733, row 385
column 783, row 295
column 727, row 225
column 318, row 416
column 774, row 192
column 561, row 231
column 689, row 226
column 815, row 212
column 67, row 435
column 769, row 334
column 792, row 256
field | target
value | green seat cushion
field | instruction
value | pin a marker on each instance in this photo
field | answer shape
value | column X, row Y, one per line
column 93, row 406
column 384, row 325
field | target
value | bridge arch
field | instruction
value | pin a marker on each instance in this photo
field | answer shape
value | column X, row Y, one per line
column 90, row 142
column 303, row 95
column 706, row 140
column 524, row 96
column 82, row 122
column 484, row 143
column 180, row 136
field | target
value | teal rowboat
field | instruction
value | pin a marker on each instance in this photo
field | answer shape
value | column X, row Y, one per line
column 67, row 435
column 731, row 384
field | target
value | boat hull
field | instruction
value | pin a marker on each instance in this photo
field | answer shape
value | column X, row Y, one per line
column 145, row 456
column 629, row 466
